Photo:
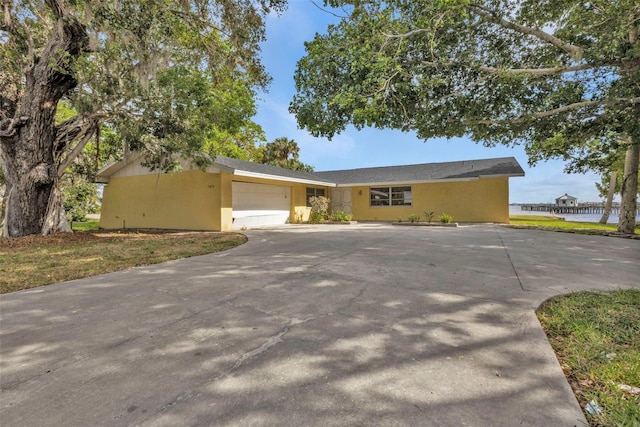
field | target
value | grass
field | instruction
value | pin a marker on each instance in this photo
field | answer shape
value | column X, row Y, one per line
column 559, row 224
column 32, row 261
column 88, row 225
column 596, row 337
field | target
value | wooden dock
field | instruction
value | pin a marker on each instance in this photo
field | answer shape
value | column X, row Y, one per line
column 580, row 209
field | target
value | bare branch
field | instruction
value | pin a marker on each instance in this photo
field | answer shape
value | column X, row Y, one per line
column 328, row 11
column 64, row 164
column 574, row 51
column 74, row 128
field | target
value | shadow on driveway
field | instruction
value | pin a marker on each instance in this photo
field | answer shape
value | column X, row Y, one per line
column 344, row 325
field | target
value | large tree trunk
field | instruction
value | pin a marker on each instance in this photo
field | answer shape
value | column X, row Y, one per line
column 629, row 202
column 29, row 149
column 610, row 194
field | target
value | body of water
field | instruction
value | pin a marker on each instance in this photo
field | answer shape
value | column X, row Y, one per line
column 613, row 218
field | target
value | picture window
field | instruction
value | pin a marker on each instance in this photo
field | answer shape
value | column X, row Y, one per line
column 390, row 196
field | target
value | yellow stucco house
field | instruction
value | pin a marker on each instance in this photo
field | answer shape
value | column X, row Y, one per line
column 233, row 194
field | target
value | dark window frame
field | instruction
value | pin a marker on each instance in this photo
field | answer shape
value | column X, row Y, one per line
column 315, row 192
column 391, row 196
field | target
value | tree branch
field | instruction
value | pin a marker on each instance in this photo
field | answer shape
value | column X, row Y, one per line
column 538, row 72
column 463, row 89
column 57, row 8
column 574, row 51
column 74, row 128
column 64, row 164
column 535, row 71
column 6, row 14
column 560, row 110
column 328, row 11
column 405, row 35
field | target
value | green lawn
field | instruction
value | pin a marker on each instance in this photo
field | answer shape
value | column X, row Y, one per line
column 31, row 261
column 88, row 225
column 596, row 337
column 555, row 223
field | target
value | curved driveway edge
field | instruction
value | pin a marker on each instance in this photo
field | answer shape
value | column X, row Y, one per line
column 366, row 324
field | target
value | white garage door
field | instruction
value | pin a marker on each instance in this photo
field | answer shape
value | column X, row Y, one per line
column 257, row 205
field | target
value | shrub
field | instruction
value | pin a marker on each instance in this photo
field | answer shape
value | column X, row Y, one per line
column 341, row 216
column 79, row 200
column 315, row 218
column 446, row 218
column 319, row 209
column 429, row 216
column 414, row 218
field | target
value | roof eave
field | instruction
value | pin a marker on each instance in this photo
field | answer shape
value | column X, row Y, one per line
column 388, row 183
column 504, row 175
column 248, row 174
column 427, row 181
column 103, row 175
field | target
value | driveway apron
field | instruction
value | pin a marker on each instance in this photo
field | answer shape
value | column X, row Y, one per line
column 364, row 325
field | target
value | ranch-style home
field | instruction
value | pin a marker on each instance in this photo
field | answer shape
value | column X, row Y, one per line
column 233, row 194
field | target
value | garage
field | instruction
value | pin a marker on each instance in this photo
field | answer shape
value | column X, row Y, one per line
column 256, row 205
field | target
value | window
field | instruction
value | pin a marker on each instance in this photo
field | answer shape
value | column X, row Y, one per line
column 314, row 192
column 390, row 196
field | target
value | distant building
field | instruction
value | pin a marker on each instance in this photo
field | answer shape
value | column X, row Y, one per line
column 567, row 200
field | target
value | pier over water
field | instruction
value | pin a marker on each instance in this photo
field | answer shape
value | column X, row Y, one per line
column 587, row 208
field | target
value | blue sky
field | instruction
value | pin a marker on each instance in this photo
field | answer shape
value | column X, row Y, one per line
column 286, row 35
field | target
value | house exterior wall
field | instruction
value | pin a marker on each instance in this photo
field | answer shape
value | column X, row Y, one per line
column 188, row 200
column 483, row 200
column 197, row 200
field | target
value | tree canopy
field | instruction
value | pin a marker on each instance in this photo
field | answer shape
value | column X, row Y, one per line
column 166, row 76
column 487, row 69
column 564, row 73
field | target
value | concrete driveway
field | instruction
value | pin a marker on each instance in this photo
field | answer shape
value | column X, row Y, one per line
column 310, row 325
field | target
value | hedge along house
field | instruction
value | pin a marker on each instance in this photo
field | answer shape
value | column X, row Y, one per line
column 233, row 194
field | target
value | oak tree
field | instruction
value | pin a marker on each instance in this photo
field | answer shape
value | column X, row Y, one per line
column 108, row 59
column 498, row 71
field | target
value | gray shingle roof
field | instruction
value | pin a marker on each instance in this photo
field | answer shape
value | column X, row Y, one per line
column 260, row 168
column 505, row 166
column 567, row 197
